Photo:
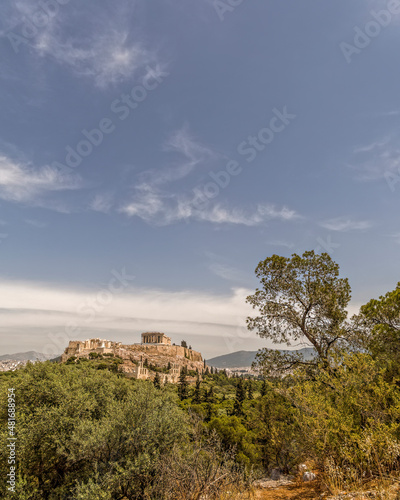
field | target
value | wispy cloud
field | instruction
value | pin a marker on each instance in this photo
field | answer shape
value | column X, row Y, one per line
column 104, row 48
column 191, row 154
column 375, row 160
column 102, row 202
column 35, row 223
column 156, row 207
column 22, row 182
column 229, row 273
column 345, row 224
column 281, row 243
column 155, row 201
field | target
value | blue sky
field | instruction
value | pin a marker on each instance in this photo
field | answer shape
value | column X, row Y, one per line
column 181, row 142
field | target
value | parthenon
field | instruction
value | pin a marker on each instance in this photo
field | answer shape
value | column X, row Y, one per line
column 155, row 338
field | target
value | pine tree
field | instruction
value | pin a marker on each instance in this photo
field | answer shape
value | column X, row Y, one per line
column 197, row 392
column 210, row 395
column 157, row 381
column 209, row 412
column 183, row 386
column 240, row 397
column 250, row 390
column 264, row 388
column 146, row 363
column 169, row 365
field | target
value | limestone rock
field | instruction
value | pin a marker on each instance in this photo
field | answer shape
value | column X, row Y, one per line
column 309, row 476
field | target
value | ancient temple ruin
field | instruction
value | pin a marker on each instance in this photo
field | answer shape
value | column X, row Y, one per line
column 142, row 360
column 155, row 338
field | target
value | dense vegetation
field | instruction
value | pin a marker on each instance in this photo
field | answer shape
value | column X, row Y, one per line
column 84, row 431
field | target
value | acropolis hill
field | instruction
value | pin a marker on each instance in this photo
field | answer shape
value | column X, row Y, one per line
column 155, row 350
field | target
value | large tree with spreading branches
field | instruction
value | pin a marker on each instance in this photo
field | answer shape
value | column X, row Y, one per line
column 302, row 300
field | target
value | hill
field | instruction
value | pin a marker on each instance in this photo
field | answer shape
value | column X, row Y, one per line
column 25, row 356
column 241, row 359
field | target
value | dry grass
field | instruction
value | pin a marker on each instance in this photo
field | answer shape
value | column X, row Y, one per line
column 305, row 491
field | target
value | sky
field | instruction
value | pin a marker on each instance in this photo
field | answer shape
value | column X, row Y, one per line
column 152, row 153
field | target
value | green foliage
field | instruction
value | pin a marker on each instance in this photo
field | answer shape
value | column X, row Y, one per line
column 250, row 389
column 234, row 434
column 345, row 416
column 157, row 381
column 196, row 399
column 302, row 297
column 240, row 397
column 183, row 386
column 377, row 328
column 78, row 425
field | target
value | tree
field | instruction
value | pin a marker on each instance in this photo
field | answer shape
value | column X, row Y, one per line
column 76, row 420
column 182, row 386
column 377, row 327
column 184, row 343
column 209, row 412
column 169, row 365
column 240, row 397
column 197, row 392
column 302, row 298
column 157, row 381
column 264, row 388
column 250, row 390
column 209, row 396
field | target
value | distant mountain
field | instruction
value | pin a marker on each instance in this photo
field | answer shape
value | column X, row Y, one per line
column 241, row 359
column 25, row 356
